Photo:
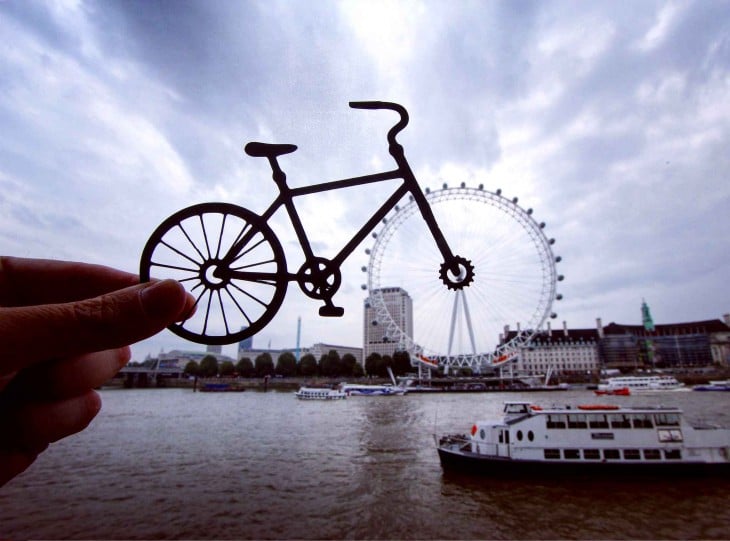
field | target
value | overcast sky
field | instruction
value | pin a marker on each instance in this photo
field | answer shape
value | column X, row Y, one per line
column 610, row 119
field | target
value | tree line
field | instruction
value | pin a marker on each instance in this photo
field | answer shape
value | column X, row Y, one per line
column 329, row 365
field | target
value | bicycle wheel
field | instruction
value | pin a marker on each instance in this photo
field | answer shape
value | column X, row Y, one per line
column 237, row 294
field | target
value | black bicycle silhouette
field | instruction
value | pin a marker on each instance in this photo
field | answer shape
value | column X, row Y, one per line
column 230, row 259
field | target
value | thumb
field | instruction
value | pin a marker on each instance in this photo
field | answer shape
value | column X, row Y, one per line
column 36, row 333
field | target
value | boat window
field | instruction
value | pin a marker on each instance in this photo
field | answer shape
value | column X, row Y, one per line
column 652, row 454
column 577, row 421
column 530, row 435
column 482, row 434
column 598, row 421
column 515, row 408
column 556, row 421
column 666, row 419
column 519, row 435
column 643, row 420
column 552, row 453
column 571, row 454
column 673, row 454
column 631, row 454
column 611, row 454
column 619, row 421
column 591, row 454
column 669, row 434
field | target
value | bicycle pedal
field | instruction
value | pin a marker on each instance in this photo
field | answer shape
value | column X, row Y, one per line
column 331, row 311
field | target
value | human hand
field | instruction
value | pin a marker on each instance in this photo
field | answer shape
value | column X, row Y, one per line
column 64, row 330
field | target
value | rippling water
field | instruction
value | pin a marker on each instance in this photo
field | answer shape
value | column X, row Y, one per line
column 169, row 463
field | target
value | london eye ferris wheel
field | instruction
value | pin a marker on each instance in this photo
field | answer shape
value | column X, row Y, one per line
column 514, row 282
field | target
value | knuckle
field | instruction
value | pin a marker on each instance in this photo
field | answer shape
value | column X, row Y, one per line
column 97, row 314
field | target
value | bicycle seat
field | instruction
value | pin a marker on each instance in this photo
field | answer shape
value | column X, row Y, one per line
column 268, row 150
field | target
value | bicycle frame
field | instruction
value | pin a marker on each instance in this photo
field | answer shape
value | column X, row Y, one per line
column 403, row 171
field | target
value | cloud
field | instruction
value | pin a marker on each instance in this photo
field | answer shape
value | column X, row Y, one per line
column 612, row 121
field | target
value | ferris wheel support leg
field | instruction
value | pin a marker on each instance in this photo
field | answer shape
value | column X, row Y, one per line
column 469, row 327
column 454, row 311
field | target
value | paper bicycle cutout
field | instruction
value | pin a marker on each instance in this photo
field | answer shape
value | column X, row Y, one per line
column 232, row 262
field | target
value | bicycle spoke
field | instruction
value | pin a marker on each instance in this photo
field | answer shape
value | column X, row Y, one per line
column 249, row 295
column 223, row 312
column 205, row 235
column 171, row 247
column 220, row 236
column 240, row 255
column 257, row 264
column 190, row 241
column 174, row 267
column 241, row 234
column 240, row 308
column 207, row 313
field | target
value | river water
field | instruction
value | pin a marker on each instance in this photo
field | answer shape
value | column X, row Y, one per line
column 170, row 463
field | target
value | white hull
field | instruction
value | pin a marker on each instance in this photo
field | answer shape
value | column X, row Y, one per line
column 592, row 438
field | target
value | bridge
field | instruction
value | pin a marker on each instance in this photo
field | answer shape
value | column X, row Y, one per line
column 143, row 377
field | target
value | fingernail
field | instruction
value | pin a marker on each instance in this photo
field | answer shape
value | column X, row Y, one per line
column 161, row 300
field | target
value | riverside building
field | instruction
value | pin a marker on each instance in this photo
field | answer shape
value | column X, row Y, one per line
column 677, row 346
column 376, row 338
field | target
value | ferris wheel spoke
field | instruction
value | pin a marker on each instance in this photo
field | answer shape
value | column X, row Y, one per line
column 514, row 274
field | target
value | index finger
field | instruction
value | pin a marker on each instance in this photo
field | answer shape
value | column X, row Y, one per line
column 25, row 282
column 37, row 333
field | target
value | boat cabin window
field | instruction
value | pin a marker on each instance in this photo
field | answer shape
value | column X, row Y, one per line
column 519, row 435
column 591, row 454
column 643, row 420
column 673, row 454
column 530, row 435
column 631, row 454
column 598, row 421
column 667, row 419
column 516, row 408
column 619, row 421
column 668, row 434
column 556, row 421
column 552, row 453
column 652, row 454
column 571, row 454
column 611, row 454
column 577, row 421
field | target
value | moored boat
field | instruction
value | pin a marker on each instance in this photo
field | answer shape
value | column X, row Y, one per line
column 642, row 383
column 591, row 438
column 318, row 393
column 354, row 389
column 221, row 388
column 716, row 385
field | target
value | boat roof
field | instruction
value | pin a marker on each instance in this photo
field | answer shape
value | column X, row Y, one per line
column 590, row 407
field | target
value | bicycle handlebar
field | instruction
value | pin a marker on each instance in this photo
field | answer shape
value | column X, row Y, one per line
column 402, row 123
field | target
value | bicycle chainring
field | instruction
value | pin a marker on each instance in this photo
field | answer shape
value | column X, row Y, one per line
column 319, row 279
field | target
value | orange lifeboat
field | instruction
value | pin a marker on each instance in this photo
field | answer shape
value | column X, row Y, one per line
column 597, row 407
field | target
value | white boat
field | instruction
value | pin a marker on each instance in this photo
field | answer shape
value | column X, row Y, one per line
column 533, row 441
column 318, row 393
column 637, row 384
column 354, row 389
